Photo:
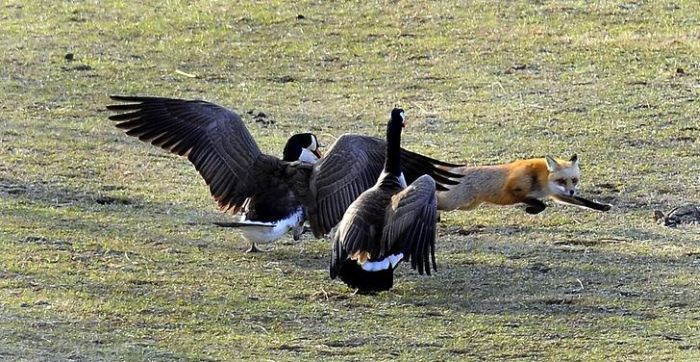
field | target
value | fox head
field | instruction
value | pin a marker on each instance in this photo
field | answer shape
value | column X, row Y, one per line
column 563, row 175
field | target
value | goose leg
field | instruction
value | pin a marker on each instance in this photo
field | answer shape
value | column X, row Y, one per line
column 252, row 248
column 296, row 233
column 298, row 230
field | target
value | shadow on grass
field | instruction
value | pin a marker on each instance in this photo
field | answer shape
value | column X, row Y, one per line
column 571, row 276
column 52, row 337
column 52, row 195
column 550, row 281
column 105, row 209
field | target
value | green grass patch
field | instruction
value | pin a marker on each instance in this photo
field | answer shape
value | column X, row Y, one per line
column 107, row 251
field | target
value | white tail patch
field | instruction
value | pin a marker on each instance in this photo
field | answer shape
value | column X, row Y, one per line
column 389, row 262
column 265, row 232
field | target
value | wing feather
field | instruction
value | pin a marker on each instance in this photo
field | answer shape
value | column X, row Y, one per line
column 359, row 230
column 350, row 167
column 415, row 165
column 353, row 165
column 214, row 139
column 411, row 224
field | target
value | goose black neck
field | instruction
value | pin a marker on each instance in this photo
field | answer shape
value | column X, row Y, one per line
column 392, row 164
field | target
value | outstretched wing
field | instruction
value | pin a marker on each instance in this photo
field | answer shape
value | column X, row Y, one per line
column 213, row 138
column 350, row 167
column 351, row 240
column 353, row 165
column 410, row 224
column 359, row 232
column 415, row 165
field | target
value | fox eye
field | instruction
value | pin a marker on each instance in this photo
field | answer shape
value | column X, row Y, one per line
column 574, row 180
column 561, row 181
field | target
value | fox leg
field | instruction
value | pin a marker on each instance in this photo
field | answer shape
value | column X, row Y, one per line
column 534, row 206
column 580, row 201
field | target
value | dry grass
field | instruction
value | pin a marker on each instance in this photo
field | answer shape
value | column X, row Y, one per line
column 106, row 246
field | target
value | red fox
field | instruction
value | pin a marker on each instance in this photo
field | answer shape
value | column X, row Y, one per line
column 522, row 181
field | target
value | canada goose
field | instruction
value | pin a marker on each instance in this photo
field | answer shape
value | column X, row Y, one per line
column 267, row 216
column 217, row 142
column 386, row 224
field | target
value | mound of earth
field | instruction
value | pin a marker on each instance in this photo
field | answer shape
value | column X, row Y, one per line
column 686, row 214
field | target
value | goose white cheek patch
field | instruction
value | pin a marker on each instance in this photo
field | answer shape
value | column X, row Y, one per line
column 389, row 262
column 314, row 144
column 307, row 156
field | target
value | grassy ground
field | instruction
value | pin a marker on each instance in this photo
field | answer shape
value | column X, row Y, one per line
column 106, row 246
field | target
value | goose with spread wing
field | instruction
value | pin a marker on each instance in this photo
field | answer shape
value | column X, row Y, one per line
column 225, row 154
column 386, row 224
column 268, row 216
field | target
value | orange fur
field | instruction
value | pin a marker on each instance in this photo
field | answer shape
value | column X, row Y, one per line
column 507, row 184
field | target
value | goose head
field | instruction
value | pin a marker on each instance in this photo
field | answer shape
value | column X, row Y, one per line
column 398, row 118
column 302, row 147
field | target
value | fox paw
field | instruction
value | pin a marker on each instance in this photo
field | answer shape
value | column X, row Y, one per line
column 532, row 210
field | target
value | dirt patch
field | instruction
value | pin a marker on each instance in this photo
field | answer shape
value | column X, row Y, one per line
column 261, row 118
column 352, row 342
column 608, row 186
column 41, row 240
column 109, row 200
column 559, row 301
column 58, row 195
column 539, row 267
column 289, row 347
column 458, row 230
column 12, row 189
column 585, row 242
column 688, row 214
column 323, row 295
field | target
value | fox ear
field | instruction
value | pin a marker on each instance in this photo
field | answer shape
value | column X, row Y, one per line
column 574, row 160
column 552, row 164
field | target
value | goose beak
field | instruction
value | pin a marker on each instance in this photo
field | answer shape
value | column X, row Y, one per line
column 317, row 151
